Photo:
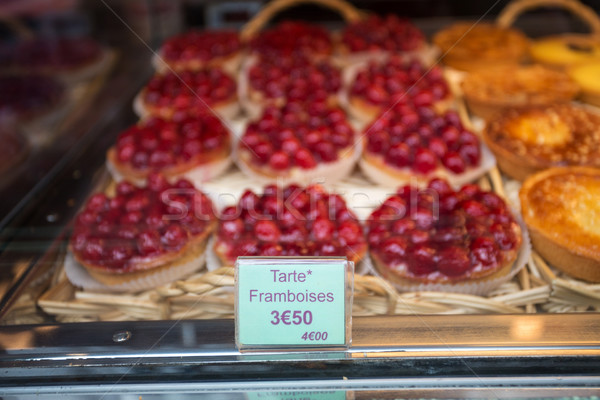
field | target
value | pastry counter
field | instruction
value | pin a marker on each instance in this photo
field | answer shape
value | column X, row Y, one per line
column 100, row 287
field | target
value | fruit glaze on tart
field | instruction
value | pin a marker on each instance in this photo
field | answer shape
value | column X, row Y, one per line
column 378, row 85
column 291, row 221
column 490, row 91
column 298, row 143
column 561, row 209
column 195, row 50
column 293, row 37
column 155, row 233
column 274, row 81
column 196, row 147
column 469, row 46
column 27, row 97
column 376, row 33
column 189, row 91
column 442, row 236
column 527, row 141
column 411, row 142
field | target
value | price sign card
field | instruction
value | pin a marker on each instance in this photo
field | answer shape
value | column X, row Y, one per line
column 286, row 302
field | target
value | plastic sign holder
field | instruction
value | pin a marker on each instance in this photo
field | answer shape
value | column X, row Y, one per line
column 286, row 303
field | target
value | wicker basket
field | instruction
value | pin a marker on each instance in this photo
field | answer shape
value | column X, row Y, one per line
column 207, row 295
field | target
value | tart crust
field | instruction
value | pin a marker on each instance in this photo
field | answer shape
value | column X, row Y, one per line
column 469, row 46
column 208, row 165
column 144, row 267
column 561, row 210
column 529, row 140
column 400, row 277
column 331, row 171
column 493, row 90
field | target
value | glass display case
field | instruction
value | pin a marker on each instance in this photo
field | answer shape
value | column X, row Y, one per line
column 534, row 336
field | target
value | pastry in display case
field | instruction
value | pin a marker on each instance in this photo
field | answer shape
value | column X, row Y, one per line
column 275, row 140
column 491, row 91
column 533, row 139
column 560, row 207
column 196, row 146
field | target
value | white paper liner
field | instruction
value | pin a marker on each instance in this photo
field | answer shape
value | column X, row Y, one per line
column 476, row 288
column 197, row 175
column 323, row 173
column 79, row 276
column 230, row 66
column 382, row 177
column 228, row 111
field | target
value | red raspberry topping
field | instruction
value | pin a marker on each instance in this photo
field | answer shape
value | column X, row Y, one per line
column 292, row 37
column 156, row 144
column 388, row 33
column 290, row 221
column 202, row 46
column 417, row 138
column 189, row 89
column 139, row 223
column 383, row 84
column 436, row 242
column 285, row 138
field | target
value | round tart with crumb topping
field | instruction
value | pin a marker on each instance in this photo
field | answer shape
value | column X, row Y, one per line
column 442, row 236
column 291, row 221
column 529, row 140
column 196, row 147
column 490, row 91
column 143, row 235
column 561, row 209
column 410, row 143
column 469, row 46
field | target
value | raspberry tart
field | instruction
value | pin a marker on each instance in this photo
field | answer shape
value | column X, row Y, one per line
column 143, row 237
column 415, row 144
column 291, row 37
column 469, row 46
column 189, row 91
column 290, row 221
column 196, row 147
column 194, row 50
column 442, row 239
column 271, row 81
column 561, row 209
column 298, row 143
column 529, row 140
column 377, row 34
column 492, row 90
column 374, row 87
